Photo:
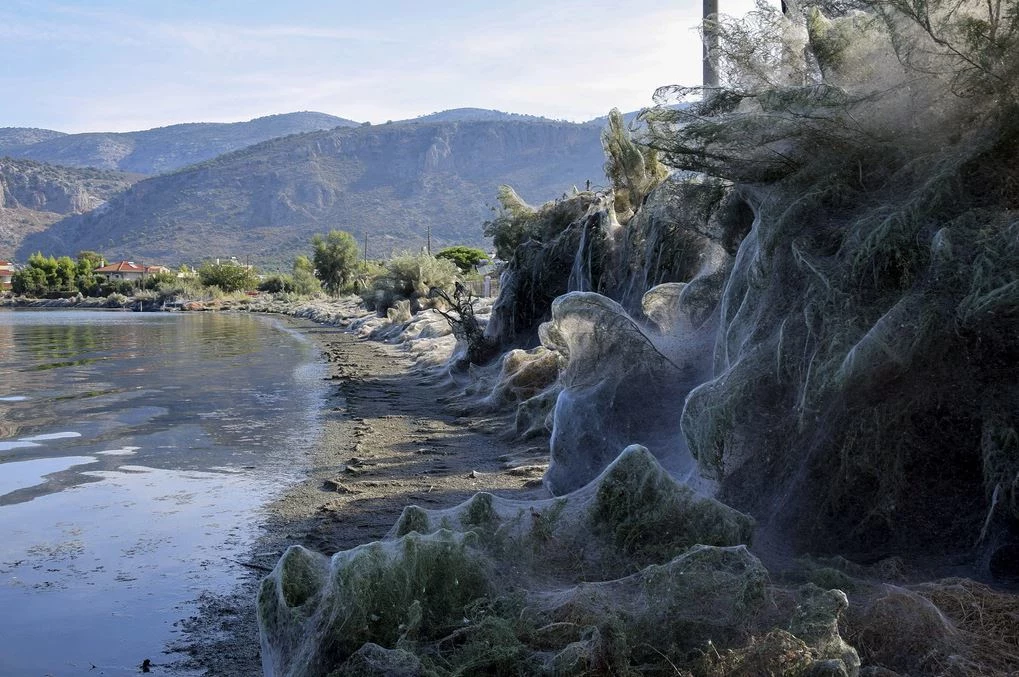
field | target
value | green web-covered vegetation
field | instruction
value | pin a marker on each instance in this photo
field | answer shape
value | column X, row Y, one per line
column 880, row 284
column 566, row 586
column 832, row 303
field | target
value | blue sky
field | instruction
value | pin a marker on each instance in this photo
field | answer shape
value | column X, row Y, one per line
column 118, row 65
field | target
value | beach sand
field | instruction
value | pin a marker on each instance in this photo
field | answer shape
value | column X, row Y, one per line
column 391, row 438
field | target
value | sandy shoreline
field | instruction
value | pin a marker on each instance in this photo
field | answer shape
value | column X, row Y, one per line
column 389, row 439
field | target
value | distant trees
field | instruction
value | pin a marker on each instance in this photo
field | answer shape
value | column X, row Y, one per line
column 94, row 259
column 302, row 281
column 228, row 275
column 305, row 281
column 465, row 258
column 50, row 276
column 335, row 258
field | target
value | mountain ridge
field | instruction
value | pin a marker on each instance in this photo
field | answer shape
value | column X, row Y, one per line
column 163, row 149
column 394, row 181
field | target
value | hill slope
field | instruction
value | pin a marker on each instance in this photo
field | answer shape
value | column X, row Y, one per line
column 164, row 149
column 392, row 181
column 13, row 139
column 35, row 195
column 475, row 115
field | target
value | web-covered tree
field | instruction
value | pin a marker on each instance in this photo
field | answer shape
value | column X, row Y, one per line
column 516, row 221
column 633, row 168
column 880, row 282
column 336, row 258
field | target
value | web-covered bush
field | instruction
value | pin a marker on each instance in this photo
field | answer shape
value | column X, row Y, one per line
column 872, row 314
column 410, row 277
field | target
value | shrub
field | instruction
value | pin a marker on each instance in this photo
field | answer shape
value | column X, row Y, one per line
column 633, row 169
column 335, row 258
column 518, row 222
column 278, row 284
column 228, row 276
column 411, row 277
column 153, row 281
column 465, row 258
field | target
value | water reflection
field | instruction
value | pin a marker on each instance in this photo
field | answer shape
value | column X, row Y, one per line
column 135, row 450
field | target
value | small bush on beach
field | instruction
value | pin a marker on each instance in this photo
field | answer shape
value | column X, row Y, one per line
column 410, row 277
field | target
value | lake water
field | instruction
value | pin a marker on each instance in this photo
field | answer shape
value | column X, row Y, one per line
column 136, row 452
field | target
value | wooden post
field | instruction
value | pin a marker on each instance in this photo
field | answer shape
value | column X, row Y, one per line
column 366, row 250
column 710, row 42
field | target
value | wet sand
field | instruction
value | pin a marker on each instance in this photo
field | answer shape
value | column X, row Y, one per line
column 390, row 439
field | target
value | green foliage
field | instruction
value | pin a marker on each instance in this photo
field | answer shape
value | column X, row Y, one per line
column 438, row 573
column 517, row 222
column 302, row 282
column 30, row 280
column 95, row 259
column 84, row 275
column 302, row 264
column 48, row 276
column 651, row 517
column 228, row 276
column 411, row 277
column 465, row 258
column 510, row 226
column 876, row 150
column 305, row 282
column 335, row 258
column 121, row 287
column 154, row 280
column 277, row 284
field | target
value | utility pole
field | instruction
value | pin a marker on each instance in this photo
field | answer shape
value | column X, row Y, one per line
column 710, row 42
column 366, row 250
column 429, row 240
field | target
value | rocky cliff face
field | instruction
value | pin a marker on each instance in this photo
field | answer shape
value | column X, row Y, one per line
column 35, row 195
column 61, row 190
column 392, row 181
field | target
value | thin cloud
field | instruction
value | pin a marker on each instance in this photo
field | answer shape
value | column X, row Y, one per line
column 568, row 60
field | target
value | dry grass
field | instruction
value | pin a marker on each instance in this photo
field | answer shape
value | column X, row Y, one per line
column 949, row 627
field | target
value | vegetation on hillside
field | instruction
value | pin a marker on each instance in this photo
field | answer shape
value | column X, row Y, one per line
column 34, row 195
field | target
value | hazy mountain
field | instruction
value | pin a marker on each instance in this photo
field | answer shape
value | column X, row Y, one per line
column 392, row 181
column 165, row 149
column 475, row 115
column 35, row 195
column 13, row 139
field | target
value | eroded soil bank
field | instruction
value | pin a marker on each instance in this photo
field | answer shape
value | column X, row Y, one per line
column 389, row 440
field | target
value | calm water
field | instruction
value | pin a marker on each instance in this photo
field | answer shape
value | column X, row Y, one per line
column 136, row 451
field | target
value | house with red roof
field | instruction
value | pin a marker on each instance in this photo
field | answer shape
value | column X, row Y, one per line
column 129, row 271
column 6, row 273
